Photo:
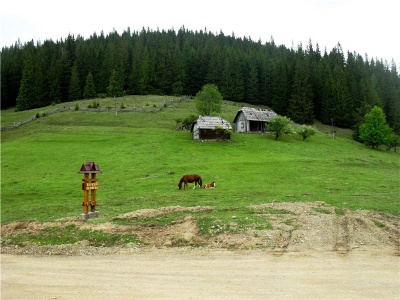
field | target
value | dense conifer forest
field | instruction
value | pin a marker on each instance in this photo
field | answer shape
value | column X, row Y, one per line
column 303, row 84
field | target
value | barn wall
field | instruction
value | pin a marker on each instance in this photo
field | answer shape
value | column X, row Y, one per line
column 241, row 123
column 196, row 132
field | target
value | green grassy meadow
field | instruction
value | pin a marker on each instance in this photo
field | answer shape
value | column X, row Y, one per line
column 143, row 155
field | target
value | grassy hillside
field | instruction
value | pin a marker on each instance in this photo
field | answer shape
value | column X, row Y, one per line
column 142, row 157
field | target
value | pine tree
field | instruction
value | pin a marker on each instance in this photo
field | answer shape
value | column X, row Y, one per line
column 27, row 94
column 115, row 88
column 145, row 74
column 252, row 83
column 74, row 92
column 232, row 79
column 336, row 104
column 90, row 89
column 279, row 87
column 300, row 108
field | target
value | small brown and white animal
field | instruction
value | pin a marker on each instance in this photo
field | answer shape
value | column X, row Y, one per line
column 209, row 186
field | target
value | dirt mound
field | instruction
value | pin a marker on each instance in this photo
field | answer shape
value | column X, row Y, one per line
column 148, row 213
column 296, row 227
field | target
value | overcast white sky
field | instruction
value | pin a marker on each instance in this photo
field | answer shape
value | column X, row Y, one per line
column 362, row 26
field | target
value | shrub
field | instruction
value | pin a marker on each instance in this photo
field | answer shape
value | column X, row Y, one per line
column 279, row 125
column 188, row 121
column 306, row 131
column 375, row 131
column 95, row 104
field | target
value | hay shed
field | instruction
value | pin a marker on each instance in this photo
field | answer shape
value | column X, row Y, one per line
column 211, row 128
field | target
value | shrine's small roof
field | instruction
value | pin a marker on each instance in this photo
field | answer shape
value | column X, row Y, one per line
column 89, row 168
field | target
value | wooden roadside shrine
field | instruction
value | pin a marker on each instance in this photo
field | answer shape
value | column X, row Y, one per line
column 89, row 184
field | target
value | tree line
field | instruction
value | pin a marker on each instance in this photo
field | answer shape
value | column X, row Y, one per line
column 303, row 84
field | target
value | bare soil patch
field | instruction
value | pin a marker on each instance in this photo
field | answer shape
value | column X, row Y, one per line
column 303, row 227
column 312, row 252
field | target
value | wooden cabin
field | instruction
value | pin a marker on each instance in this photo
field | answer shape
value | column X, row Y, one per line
column 210, row 128
column 250, row 119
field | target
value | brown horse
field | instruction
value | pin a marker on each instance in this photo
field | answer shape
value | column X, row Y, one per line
column 209, row 186
column 190, row 178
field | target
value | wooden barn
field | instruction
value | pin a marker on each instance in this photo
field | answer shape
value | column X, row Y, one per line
column 250, row 119
column 210, row 128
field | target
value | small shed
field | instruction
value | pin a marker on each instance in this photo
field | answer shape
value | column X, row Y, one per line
column 210, row 128
column 250, row 119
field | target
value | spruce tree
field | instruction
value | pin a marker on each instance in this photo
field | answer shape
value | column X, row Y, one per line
column 145, row 74
column 232, row 79
column 300, row 108
column 90, row 89
column 27, row 94
column 252, row 84
column 336, row 103
column 115, row 88
column 279, row 87
column 74, row 92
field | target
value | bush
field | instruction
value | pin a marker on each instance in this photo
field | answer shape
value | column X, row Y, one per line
column 375, row 131
column 188, row 121
column 95, row 104
column 223, row 133
column 306, row 131
column 394, row 142
column 279, row 125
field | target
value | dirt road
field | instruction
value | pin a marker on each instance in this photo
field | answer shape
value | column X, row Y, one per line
column 312, row 251
column 187, row 273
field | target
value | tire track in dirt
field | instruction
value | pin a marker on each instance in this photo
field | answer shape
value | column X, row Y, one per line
column 295, row 227
column 341, row 233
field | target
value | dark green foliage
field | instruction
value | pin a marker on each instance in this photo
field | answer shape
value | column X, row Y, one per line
column 300, row 108
column 115, row 87
column 90, row 89
column 26, row 96
column 394, row 142
column 375, row 131
column 95, row 104
column 300, row 84
column 74, row 92
column 189, row 120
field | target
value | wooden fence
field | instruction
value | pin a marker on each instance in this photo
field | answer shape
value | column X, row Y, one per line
column 99, row 109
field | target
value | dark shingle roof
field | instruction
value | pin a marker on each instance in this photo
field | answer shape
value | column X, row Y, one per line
column 256, row 114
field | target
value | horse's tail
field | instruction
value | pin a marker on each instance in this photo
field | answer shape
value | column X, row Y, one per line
column 200, row 181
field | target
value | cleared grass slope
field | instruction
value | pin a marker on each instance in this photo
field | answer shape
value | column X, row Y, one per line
column 143, row 155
